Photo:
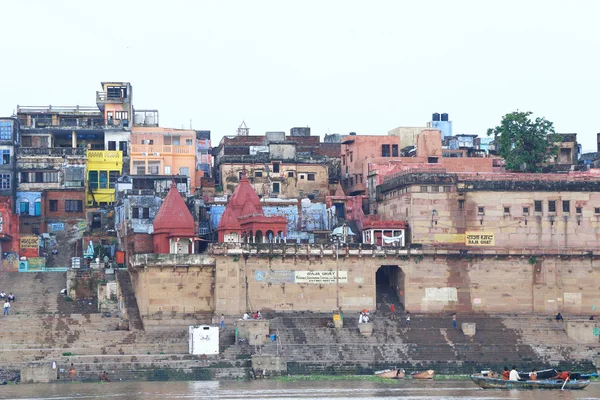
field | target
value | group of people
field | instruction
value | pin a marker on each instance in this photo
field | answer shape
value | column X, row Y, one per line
column 7, row 300
column 257, row 315
column 513, row 375
column 364, row 317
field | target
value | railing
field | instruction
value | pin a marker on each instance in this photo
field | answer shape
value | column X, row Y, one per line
column 151, row 149
column 57, row 109
column 50, row 151
column 104, row 155
column 70, row 123
column 104, row 97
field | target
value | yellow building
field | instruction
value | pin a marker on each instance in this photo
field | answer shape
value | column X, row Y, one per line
column 104, row 168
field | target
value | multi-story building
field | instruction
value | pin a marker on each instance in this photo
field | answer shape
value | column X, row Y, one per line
column 158, row 151
column 9, row 138
column 104, row 169
column 277, row 165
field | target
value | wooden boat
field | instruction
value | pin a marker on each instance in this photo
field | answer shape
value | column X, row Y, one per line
column 397, row 373
column 491, row 383
column 423, row 374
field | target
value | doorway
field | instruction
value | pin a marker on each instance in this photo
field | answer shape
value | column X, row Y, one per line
column 389, row 281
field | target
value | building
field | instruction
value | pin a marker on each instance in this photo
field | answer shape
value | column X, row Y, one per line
column 164, row 151
column 9, row 139
column 204, row 159
column 245, row 221
column 104, row 167
column 441, row 123
column 278, row 166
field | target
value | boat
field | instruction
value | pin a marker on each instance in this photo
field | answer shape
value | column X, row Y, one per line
column 396, row 373
column 492, row 383
column 423, row 374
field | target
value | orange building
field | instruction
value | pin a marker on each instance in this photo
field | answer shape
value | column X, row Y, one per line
column 163, row 151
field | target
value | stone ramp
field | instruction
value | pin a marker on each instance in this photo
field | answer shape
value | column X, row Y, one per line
column 36, row 292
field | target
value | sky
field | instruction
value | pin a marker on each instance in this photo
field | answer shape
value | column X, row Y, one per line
column 336, row 66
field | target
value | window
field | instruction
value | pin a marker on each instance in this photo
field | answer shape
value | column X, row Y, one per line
column 146, row 213
column 154, row 167
column 537, row 206
column 185, row 171
column 290, row 174
column 240, row 174
column 123, row 147
column 93, row 179
column 38, row 207
column 103, row 179
column 6, row 129
column 385, row 150
column 566, row 206
column 74, row 176
column 578, row 210
column 148, row 141
column 24, row 207
column 480, row 210
column 310, row 177
column 394, row 150
column 258, row 174
column 5, row 157
column 167, row 140
column 350, row 157
column 423, row 189
column 167, row 169
column 121, row 115
column 188, row 142
column 447, row 189
column 552, row 206
column 461, row 204
column 24, row 177
column 343, row 160
column 435, row 188
column 596, row 210
column 506, row 210
column 432, row 160
column 275, row 187
column 525, row 210
column 176, row 140
column 112, row 178
column 275, row 167
column 73, row 205
column 112, row 145
column 135, row 212
column 53, row 205
column 4, row 181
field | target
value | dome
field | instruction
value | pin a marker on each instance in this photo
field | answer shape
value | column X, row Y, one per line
column 173, row 217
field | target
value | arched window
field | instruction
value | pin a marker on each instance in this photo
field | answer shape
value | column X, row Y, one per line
column 38, row 207
column 24, row 207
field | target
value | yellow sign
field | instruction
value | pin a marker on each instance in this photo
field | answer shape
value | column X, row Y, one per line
column 337, row 317
column 29, row 242
column 449, row 237
column 479, row 239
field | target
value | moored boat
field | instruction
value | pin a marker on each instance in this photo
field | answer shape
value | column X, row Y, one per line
column 396, row 373
column 423, row 374
column 491, row 383
column 541, row 375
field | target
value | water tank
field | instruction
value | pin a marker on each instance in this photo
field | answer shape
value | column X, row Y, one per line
column 138, row 119
column 149, row 120
column 352, row 133
column 444, row 117
column 435, row 117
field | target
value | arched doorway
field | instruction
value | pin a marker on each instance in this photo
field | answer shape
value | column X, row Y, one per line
column 258, row 237
column 389, row 280
column 270, row 236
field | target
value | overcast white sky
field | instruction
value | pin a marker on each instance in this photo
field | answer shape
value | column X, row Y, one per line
column 336, row 66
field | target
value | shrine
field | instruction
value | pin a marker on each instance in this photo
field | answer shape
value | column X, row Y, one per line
column 173, row 226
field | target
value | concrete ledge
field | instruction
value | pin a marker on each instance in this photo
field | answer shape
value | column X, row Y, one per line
column 38, row 373
column 468, row 328
column 253, row 330
column 366, row 329
column 582, row 331
column 269, row 363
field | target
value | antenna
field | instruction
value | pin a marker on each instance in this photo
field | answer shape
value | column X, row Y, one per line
column 190, row 124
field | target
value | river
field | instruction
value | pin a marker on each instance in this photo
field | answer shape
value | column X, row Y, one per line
column 325, row 390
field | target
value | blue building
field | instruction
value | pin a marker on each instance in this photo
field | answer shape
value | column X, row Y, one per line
column 441, row 122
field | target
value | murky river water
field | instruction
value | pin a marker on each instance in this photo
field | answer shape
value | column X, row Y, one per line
column 282, row 390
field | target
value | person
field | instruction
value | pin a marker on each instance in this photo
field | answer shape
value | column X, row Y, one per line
column 246, row 316
column 562, row 375
column 104, row 377
column 361, row 318
column 533, row 375
column 591, row 317
column 72, row 372
column 259, row 315
column 558, row 317
column 514, row 375
column 393, row 310
column 454, row 320
column 255, row 316
column 222, row 322
column 6, row 307
column 2, row 295
column 366, row 319
column 11, row 297
column 408, row 319
column 505, row 374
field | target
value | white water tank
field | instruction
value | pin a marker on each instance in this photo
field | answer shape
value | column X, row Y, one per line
column 203, row 339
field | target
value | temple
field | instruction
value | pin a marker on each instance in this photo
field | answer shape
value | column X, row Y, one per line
column 173, row 226
column 244, row 219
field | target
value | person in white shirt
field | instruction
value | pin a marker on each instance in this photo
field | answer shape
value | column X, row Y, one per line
column 6, row 307
column 246, row 317
column 514, row 375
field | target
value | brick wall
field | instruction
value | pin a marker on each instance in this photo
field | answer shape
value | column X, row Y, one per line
column 60, row 196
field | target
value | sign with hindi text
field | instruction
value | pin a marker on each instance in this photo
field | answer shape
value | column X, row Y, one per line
column 479, row 239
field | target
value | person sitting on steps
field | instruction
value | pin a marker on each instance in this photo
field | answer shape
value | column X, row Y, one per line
column 559, row 318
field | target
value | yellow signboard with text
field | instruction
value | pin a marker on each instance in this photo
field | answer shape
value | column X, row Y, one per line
column 29, row 242
column 480, row 239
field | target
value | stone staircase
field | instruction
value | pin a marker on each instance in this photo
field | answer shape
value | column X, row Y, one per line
column 431, row 342
column 133, row 311
column 36, row 292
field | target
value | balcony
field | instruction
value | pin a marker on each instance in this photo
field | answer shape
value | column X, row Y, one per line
column 115, row 97
column 50, row 152
column 69, row 123
column 157, row 150
column 105, row 155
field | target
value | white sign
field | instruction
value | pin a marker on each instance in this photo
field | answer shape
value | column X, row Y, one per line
column 320, row 277
column 444, row 294
column 204, row 339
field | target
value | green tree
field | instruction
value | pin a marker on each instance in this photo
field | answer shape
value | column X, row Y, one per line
column 523, row 143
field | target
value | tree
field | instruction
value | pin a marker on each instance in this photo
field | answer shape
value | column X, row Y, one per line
column 523, row 143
